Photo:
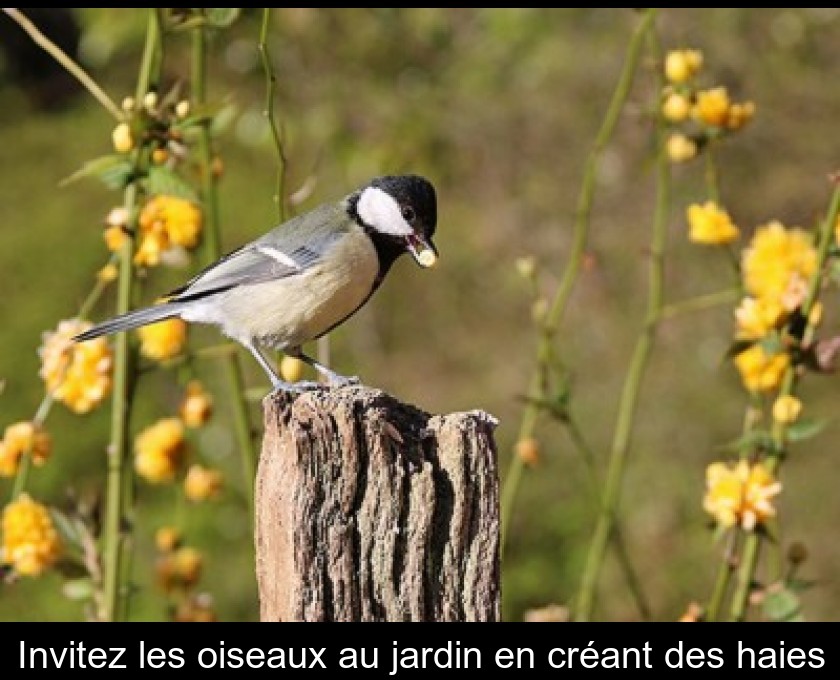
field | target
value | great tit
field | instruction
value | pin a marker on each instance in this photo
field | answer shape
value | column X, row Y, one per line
column 306, row 276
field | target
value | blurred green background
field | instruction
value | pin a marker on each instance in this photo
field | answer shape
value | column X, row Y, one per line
column 499, row 109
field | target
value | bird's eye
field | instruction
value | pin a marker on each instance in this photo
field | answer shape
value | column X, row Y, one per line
column 408, row 213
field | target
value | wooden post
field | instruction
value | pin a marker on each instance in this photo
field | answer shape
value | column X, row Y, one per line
column 368, row 509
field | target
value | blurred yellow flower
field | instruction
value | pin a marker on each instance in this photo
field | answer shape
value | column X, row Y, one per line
column 778, row 264
column 756, row 317
column 739, row 115
column 76, row 374
column 166, row 222
column 108, row 273
column 179, row 569
column 693, row 613
column 681, row 65
column 115, row 237
column 740, row 493
column 710, row 224
column 202, row 483
column 761, row 372
column 159, row 451
column 291, row 369
column 163, row 340
column 30, row 542
column 680, row 148
column 197, row 405
column 19, row 439
column 528, row 451
column 816, row 315
column 676, row 107
column 712, row 106
column 786, row 409
column 167, row 538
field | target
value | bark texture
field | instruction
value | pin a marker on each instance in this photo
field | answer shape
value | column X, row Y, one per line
column 368, row 509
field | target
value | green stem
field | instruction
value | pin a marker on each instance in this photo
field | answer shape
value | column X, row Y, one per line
column 630, row 392
column 576, row 256
column 268, row 112
column 209, row 191
column 699, row 303
column 121, row 404
column 752, row 545
column 712, row 183
column 724, row 577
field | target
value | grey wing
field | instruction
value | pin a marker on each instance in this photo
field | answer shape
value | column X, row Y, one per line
column 288, row 250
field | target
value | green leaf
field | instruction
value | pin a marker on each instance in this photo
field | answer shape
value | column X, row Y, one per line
column 114, row 170
column 67, row 527
column 162, row 180
column 805, row 429
column 751, row 441
column 78, row 589
column 221, row 17
column 782, row 605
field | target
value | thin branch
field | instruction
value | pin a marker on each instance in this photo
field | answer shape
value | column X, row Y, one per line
column 268, row 112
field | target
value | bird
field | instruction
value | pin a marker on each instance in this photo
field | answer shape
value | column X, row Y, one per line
column 306, row 276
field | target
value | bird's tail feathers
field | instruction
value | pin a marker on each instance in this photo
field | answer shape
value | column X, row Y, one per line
column 131, row 320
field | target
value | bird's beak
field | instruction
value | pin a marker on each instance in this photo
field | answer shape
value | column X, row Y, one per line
column 422, row 250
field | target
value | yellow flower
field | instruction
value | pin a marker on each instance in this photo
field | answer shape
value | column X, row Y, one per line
column 740, row 493
column 179, row 569
column 197, row 405
column 159, row 451
column 786, row 409
column 108, row 273
column 76, row 374
column 676, row 107
column 115, row 237
column 291, row 369
column 739, row 115
column 761, row 372
column 163, row 340
column 756, row 317
column 680, row 148
column 30, row 542
column 712, row 106
column 122, row 138
column 710, row 224
column 167, row 539
column 196, row 609
column 19, row 439
column 202, row 483
column 778, row 264
column 816, row 315
column 166, row 222
column 693, row 613
column 681, row 65
column 528, row 451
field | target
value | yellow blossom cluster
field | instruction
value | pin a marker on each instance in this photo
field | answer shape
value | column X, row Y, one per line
column 740, row 494
column 179, row 568
column 777, row 267
column 30, row 542
column 202, row 483
column 698, row 115
column 196, row 406
column 166, row 223
column 21, row 439
column 709, row 224
column 160, row 450
column 76, row 374
column 163, row 340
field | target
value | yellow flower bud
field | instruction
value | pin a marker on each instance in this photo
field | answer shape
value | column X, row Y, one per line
column 202, row 483
column 681, row 65
column 786, row 409
column 163, row 340
column 676, row 107
column 291, row 369
column 527, row 266
column 816, row 315
column 159, row 451
column 197, row 405
column 680, row 148
column 108, row 273
column 160, row 156
column 739, row 115
column 528, row 451
column 712, row 107
column 128, row 104
column 117, row 217
column 167, row 538
column 182, row 109
column 150, row 101
column 122, row 138
column 709, row 224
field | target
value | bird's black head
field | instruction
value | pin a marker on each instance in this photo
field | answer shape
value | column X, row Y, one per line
column 400, row 214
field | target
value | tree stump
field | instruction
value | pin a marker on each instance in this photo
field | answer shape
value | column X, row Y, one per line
column 368, row 509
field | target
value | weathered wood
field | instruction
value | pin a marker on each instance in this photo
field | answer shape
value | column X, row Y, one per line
column 368, row 509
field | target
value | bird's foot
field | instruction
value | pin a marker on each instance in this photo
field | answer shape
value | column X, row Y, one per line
column 278, row 386
column 337, row 380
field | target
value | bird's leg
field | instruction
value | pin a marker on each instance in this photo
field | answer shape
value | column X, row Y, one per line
column 277, row 384
column 334, row 379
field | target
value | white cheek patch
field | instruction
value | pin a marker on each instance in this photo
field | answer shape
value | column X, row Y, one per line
column 278, row 255
column 379, row 210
